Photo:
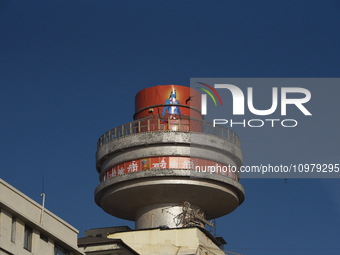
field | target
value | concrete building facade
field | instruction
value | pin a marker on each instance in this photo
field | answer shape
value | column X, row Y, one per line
column 179, row 241
column 27, row 228
column 96, row 242
column 126, row 241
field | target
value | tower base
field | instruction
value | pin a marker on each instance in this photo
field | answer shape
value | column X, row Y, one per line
column 170, row 215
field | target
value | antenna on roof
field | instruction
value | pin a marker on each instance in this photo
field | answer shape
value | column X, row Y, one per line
column 43, row 203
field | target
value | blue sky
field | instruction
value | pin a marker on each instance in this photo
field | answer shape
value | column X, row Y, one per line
column 69, row 71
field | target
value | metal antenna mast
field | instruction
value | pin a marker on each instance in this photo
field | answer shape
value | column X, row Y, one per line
column 43, row 203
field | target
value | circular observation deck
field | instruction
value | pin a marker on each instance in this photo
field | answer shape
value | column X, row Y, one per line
column 150, row 164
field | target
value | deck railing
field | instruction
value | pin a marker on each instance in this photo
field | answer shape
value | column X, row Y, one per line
column 156, row 124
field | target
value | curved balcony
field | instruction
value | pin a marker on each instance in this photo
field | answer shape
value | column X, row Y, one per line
column 155, row 123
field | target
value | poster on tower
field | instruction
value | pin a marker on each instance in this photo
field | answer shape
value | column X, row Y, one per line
column 168, row 101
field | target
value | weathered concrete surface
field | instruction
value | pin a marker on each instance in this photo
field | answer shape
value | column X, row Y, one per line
column 154, row 216
column 167, row 143
column 123, row 195
column 140, row 196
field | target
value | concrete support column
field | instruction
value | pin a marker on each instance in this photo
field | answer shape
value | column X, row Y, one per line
column 153, row 216
column 168, row 215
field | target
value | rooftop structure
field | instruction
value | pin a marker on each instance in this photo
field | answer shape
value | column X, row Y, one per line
column 148, row 168
column 162, row 240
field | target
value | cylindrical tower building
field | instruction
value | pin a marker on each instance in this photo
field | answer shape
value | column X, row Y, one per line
column 168, row 167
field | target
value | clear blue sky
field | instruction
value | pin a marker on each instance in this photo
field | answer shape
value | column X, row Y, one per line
column 69, row 71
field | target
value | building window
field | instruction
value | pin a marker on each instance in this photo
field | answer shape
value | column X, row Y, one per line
column 14, row 220
column 28, row 238
column 43, row 237
column 58, row 250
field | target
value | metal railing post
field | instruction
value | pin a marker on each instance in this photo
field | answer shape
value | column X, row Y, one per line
column 198, row 126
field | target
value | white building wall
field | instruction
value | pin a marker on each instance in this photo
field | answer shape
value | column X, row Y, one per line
column 13, row 203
